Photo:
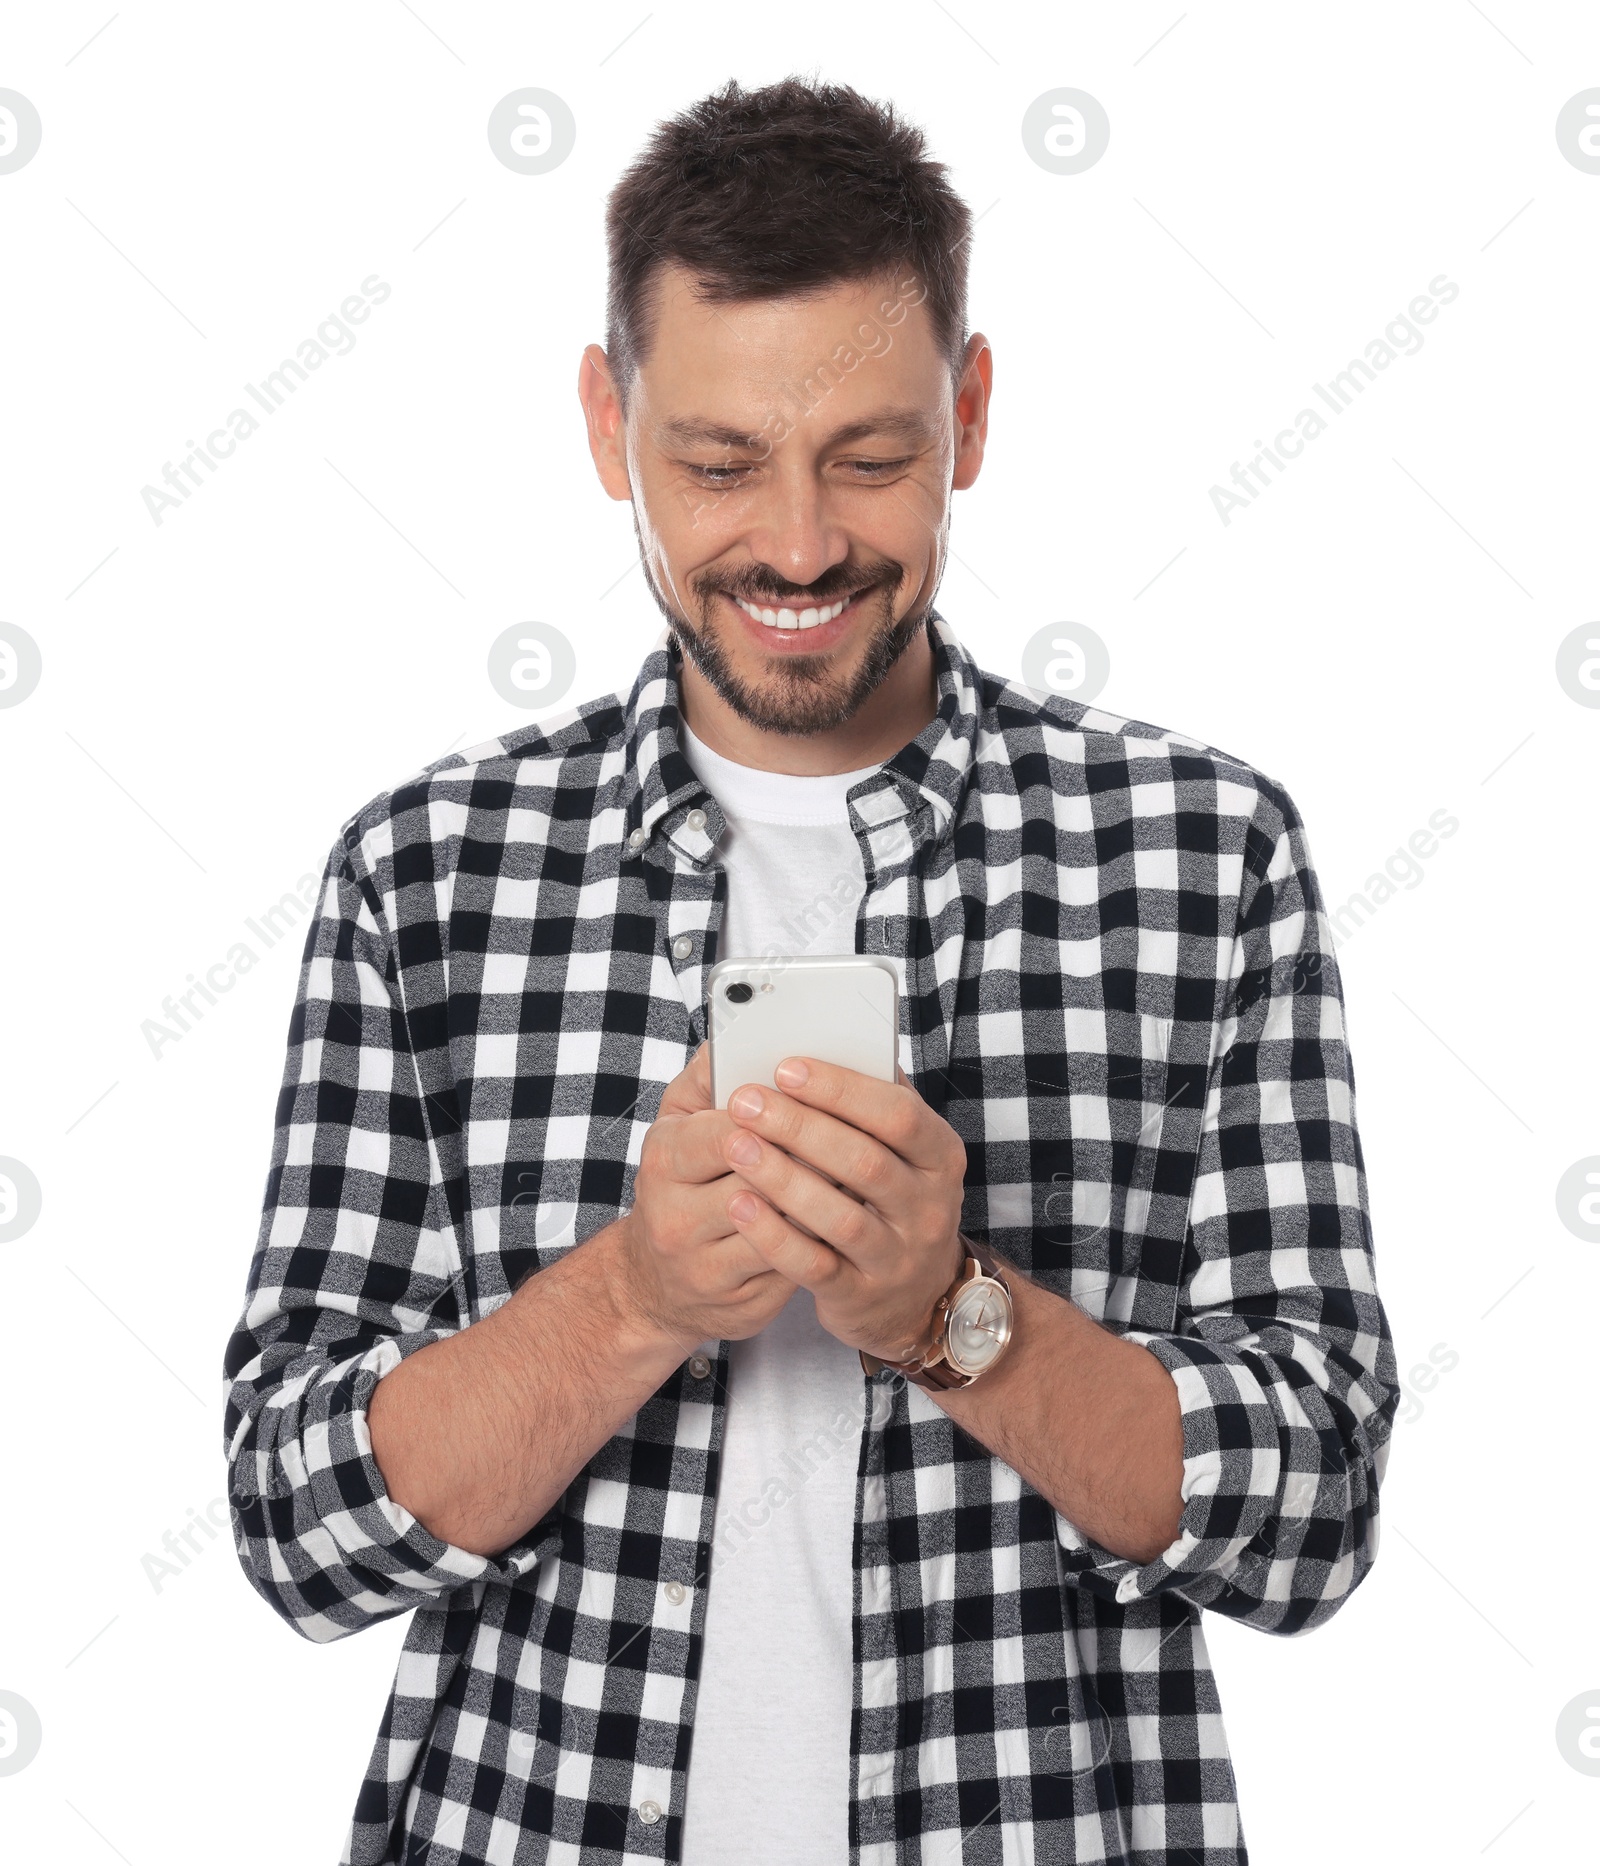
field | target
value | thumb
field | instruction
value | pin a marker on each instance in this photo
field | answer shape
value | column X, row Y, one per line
column 689, row 1092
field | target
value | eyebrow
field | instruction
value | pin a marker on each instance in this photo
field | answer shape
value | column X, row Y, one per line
column 905, row 423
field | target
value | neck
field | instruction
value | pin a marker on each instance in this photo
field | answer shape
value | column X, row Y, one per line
column 889, row 719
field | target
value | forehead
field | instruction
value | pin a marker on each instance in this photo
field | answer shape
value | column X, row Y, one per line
column 863, row 344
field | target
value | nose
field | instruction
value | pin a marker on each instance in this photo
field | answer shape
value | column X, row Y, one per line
column 794, row 535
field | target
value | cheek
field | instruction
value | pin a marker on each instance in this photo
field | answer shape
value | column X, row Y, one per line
column 688, row 528
column 678, row 542
column 908, row 521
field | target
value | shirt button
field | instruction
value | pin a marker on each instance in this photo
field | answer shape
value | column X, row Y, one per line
column 637, row 839
column 649, row 1812
column 675, row 1591
column 699, row 1366
column 696, row 819
column 682, row 946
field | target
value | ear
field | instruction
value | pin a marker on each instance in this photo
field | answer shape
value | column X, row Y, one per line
column 602, row 411
column 972, row 411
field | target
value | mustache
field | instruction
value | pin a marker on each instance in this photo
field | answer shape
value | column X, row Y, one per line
column 774, row 592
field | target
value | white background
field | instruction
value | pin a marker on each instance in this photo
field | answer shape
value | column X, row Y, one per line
column 1378, row 631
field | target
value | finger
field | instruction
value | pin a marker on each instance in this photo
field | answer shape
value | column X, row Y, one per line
column 846, row 1154
column 689, row 1092
column 735, row 1261
column 892, row 1112
column 697, row 1236
column 804, row 1260
column 688, row 1148
column 701, row 1222
column 812, row 1203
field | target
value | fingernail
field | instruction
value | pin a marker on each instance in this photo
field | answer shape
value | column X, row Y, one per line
column 746, row 1207
column 744, row 1150
column 745, row 1101
column 791, row 1073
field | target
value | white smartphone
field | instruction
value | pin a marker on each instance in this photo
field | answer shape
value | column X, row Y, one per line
column 843, row 1010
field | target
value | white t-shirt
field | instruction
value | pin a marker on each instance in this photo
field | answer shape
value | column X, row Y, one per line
column 769, row 1760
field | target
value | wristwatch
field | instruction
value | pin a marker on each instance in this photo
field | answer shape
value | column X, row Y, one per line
column 972, row 1327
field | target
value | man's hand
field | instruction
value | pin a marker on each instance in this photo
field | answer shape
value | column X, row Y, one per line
column 851, row 1189
column 686, row 1269
column 479, row 1434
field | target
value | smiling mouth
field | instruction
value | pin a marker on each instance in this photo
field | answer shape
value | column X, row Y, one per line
column 790, row 618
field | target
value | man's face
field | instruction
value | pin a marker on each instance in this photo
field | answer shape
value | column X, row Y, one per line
column 790, row 463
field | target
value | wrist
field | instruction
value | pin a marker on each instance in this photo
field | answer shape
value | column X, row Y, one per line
column 933, row 1323
column 972, row 1325
column 640, row 1333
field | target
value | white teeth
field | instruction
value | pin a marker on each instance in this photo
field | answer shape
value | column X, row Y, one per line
column 786, row 618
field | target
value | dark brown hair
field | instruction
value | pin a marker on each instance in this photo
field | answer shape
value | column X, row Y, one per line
column 769, row 193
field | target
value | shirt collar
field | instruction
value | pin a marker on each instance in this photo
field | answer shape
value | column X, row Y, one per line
column 922, row 785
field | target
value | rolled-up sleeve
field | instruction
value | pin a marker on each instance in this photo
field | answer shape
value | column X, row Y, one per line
column 356, row 1266
column 1281, row 1354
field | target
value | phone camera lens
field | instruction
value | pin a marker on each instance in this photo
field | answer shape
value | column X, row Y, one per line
column 739, row 994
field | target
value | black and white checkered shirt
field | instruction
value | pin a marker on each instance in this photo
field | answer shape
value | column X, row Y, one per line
column 1121, row 994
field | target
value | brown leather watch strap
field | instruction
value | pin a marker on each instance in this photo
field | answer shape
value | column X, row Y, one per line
column 936, row 1376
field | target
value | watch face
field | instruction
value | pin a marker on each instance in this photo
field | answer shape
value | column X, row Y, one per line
column 978, row 1326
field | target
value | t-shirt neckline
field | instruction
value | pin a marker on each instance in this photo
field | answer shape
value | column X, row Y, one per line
column 747, row 793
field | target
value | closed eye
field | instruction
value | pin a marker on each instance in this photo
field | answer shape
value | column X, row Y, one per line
column 726, row 476
column 719, row 475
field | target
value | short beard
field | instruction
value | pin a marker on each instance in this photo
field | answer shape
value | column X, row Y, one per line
column 804, row 698
column 800, row 697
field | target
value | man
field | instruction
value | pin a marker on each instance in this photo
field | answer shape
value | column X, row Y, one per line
column 640, row 1404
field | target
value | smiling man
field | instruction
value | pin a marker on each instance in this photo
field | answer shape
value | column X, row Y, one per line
column 719, row 1551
